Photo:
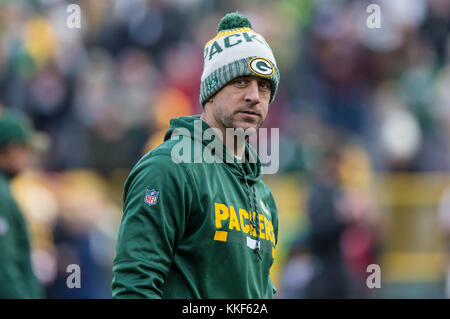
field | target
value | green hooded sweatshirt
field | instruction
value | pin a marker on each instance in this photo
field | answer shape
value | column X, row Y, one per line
column 17, row 279
column 187, row 231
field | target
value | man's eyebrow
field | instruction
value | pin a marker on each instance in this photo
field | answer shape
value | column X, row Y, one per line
column 249, row 77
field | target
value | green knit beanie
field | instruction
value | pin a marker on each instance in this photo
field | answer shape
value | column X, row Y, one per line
column 14, row 128
column 236, row 51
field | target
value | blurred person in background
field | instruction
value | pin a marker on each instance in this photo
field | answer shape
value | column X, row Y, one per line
column 444, row 225
column 343, row 218
column 327, row 225
column 364, row 224
column 84, row 234
column 298, row 271
column 17, row 277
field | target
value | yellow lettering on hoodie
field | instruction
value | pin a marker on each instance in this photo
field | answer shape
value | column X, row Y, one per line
column 221, row 212
column 267, row 228
column 244, row 227
column 234, row 221
column 241, row 222
column 261, row 226
column 272, row 235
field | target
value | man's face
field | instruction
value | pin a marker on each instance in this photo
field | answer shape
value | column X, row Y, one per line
column 242, row 103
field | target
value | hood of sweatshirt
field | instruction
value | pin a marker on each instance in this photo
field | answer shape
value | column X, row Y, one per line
column 192, row 126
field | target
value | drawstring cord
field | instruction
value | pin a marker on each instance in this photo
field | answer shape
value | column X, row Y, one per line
column 253, row 221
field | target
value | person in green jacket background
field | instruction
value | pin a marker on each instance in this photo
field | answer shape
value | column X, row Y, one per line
column 17, row 279
column 195, row 226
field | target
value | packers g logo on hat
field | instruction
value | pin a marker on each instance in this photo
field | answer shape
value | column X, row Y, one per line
column 261, row 67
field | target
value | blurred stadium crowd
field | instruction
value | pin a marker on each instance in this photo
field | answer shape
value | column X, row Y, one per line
column 363, row 114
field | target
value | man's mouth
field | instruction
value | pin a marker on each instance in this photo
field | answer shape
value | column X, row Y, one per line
column 250, row 113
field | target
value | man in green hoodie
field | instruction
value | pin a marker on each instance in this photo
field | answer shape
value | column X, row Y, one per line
column 17, row 279
column 193, row 227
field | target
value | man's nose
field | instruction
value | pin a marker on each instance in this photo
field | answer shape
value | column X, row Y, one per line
column 252, row 92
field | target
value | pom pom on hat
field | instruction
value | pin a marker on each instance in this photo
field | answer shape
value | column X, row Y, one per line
column 233, row 20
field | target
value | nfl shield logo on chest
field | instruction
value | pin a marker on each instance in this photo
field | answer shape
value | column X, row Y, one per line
column 151, row 197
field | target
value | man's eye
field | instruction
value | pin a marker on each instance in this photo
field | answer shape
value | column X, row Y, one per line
column 240, row 82
column 264, row 85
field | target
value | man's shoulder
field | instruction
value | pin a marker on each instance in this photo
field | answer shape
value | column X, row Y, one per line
column 159, row 158
column 182, row 151
column 159, row 161
column 157, row 154
column 267, row 198
column 157, row 168
column 264, row 185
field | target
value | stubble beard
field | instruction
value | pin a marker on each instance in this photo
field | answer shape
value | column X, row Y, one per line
column 229, row 121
